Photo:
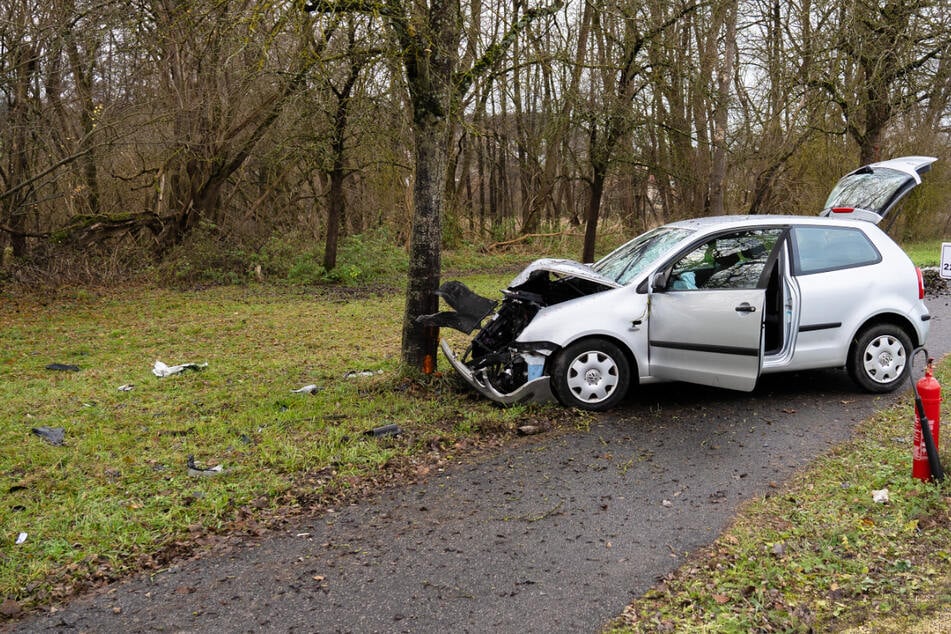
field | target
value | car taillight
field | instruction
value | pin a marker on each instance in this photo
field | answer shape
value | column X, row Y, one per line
column 921, row 283
column 843, row 210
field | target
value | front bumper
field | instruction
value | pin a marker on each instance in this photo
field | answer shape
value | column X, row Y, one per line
column 537, row 390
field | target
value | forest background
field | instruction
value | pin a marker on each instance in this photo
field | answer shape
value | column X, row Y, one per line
column 199, row 141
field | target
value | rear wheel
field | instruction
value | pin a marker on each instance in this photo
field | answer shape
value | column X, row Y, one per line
column 593, row 374
column 880, row 359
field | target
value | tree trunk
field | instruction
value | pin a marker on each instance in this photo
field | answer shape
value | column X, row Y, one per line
column 419, row 342
column 430, row 59
column 336, row 202
column 721, row 114
column 593, row 211
column 335, row 211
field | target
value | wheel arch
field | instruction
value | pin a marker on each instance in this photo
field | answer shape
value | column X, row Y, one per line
column 620, row 343
column 874, row 363
column 891, row 319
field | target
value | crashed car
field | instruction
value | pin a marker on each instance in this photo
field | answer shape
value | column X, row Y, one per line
column 715, row 301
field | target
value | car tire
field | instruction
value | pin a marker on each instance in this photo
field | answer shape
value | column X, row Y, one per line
column 880, row 359
column 593, row 374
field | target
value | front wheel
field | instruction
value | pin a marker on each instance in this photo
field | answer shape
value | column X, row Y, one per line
column 880, row 359
column 593, row 374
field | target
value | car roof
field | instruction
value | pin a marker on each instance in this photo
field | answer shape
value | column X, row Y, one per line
column 713, row 223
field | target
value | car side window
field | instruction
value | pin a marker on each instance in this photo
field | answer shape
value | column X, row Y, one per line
column 734, row 260
column 820, row 249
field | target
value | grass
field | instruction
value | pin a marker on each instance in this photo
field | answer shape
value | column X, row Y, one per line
column 118, row 495
column 926, row 253
column 818, row 554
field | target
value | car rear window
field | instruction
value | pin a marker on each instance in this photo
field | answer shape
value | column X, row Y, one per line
column 874, row 190
column 819, row 249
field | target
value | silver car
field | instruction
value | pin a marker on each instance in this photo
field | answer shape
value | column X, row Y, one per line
column 716, row 301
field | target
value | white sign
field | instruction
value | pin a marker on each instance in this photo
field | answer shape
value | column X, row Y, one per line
column 946, row 260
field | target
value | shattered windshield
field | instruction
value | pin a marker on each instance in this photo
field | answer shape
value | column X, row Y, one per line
column 626, row 262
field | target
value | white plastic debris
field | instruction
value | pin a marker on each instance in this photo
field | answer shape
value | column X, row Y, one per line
column 352, row 374
column 880, row 496
column 307, row 389
column 21, row 538
column 667, row 503
column 161, row 370
column 126, row 388
column 196, row 470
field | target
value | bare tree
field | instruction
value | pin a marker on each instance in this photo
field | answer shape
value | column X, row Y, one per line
column 624, row 76
column 725, row 20
column 429, row 36
column 133, row 129
column 882, row 61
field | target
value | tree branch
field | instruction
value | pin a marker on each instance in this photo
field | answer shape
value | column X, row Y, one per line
column 494, row 52
column 370, row 7
column 49, row 170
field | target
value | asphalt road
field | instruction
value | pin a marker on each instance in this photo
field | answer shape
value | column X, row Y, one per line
column 554, row 534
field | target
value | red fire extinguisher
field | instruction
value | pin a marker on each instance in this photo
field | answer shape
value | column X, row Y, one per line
column 925, row 463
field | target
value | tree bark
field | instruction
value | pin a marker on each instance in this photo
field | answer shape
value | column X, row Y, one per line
column 419, row 342
column 429, row 58
column 721, row 114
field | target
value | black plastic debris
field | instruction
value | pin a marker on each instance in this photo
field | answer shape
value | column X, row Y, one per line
column 195, row 470
column 385, row 430
column 52, row 435
column 470, row 309
column 63, row 367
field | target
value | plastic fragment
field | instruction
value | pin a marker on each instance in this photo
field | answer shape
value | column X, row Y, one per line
column 21, row 538
column 52, row 435
column 63, row 367
column 126, row 388
column 195, row 470
column 352, row 374
column 307, row 389
column 161, row 370
column 385, row 430
column 880, row 496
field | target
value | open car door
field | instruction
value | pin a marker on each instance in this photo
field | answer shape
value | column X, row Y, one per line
column 707, row 311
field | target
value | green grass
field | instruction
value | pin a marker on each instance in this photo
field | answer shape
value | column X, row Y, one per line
column 926, row 253
column 118, row 495
column 818, row 554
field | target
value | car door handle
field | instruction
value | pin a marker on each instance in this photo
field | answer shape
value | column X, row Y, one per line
column 745, row 308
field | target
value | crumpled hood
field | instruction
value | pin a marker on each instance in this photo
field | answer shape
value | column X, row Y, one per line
column 562, row 268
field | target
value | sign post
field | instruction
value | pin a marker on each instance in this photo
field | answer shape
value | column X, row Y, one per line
column 946, row 260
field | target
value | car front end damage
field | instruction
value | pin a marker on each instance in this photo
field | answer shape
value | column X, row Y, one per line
column 496, row 363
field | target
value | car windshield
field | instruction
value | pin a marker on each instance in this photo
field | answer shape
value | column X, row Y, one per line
column 629, row 260
column 871, row 190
